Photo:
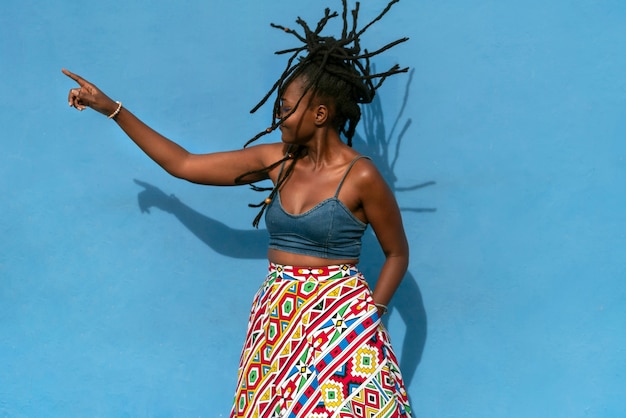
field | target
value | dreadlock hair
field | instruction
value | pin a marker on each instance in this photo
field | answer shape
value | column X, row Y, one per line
column 337, row 70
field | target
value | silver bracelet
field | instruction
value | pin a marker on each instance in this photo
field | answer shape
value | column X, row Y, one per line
column 382, row 307
column 114, row 114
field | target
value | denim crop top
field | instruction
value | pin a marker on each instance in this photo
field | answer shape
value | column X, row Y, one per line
column 328, row 230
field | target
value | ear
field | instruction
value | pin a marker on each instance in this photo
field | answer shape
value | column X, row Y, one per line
column 321, row 114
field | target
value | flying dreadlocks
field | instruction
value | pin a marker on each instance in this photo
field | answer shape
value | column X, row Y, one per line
column 333, row 68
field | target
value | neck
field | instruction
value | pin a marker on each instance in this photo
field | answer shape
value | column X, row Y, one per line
column 324, row 147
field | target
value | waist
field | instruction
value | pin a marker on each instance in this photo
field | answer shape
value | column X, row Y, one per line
column 294, row 259
column 315, row 273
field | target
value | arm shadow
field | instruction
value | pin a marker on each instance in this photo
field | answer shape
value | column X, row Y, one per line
column 235, row 243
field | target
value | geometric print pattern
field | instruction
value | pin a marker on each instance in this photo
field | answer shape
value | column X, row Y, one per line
column 316, row 348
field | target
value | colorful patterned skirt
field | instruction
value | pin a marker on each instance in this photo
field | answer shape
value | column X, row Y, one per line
column 316, row 348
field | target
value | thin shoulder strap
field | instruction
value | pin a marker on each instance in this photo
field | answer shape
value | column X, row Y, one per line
column 348, row 170
column 282, row 167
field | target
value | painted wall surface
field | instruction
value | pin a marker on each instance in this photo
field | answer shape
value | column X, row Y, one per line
column 125, row 292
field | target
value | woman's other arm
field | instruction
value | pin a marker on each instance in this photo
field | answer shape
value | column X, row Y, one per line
column 383, row 214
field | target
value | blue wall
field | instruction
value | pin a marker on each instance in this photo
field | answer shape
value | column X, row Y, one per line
column 117, row 299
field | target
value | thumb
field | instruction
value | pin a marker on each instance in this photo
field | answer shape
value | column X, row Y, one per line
column 84, row 96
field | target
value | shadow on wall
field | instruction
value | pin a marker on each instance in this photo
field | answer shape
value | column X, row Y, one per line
column 252, row 243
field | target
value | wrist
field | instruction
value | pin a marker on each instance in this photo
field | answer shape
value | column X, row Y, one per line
column 115, row 111
column 382, row 309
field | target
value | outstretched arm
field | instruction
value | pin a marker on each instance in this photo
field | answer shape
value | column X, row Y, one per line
column 216, row 169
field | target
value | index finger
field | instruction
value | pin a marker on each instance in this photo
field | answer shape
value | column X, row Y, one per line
column 81, row 82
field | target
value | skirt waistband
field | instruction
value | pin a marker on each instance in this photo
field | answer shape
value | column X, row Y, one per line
column 303, row 273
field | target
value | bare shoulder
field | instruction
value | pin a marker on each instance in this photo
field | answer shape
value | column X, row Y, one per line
column 267, row 153
column 367, row 194
column 366, row 182
column 364, row 172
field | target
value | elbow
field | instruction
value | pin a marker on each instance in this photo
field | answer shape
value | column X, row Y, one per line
column 178, row 174
column 402, row 250
column 179, row 168
column 174, row 172
column 400, row 258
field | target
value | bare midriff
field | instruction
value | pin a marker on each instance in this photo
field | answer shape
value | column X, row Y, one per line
column 291, row 259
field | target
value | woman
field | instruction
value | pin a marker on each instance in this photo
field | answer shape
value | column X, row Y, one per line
column 315, row 345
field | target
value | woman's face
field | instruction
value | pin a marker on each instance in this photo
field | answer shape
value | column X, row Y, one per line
column 299, row 126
